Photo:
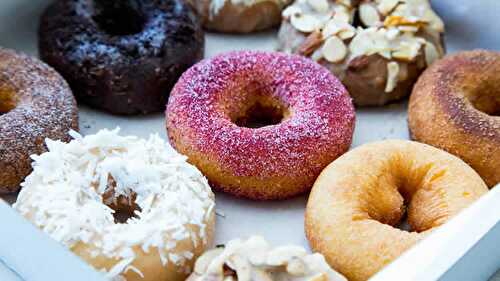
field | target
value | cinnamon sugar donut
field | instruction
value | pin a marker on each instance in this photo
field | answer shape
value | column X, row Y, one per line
column 239, row 16
column 358, row 200
column 260, row 125
column 456, row 106
column 132, row 208
column 35, row 103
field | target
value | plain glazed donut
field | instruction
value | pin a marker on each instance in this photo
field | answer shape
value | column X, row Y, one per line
column 260, row 125
column 122, row 56
column 132, row 208
column 239, row 16
column 455, row 106
column 358, row 200
column 35, row 103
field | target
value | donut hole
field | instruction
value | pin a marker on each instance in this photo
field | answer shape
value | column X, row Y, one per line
column 8, row 100
column 119, row 18
column 486, row 99
column 397, row 194
column 261, row 113
column 256, row 107
column 124, row 207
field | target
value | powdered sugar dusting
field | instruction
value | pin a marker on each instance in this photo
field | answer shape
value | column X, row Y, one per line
column 65, row 193
column 318, row 130
column 45, row 108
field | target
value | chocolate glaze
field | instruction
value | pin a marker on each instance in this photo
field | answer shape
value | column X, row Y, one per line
column 121, row 56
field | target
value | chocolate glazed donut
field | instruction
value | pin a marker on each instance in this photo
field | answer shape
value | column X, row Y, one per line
column 121, row 56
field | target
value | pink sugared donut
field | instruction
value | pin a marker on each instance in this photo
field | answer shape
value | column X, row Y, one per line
column 260, row 125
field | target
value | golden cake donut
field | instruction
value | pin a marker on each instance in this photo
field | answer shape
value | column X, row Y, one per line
column 132, row 208
column 260, row 125
column 239, row 16
column 376, row 48
column 359, row 200
column 35, row 103
column 455, row 106
column 255, row 259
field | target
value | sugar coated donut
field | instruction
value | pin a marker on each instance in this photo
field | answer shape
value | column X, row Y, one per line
column 358, row 200
column 130, row 207
column 376, row 48
column 255, row 259
column 239, row 16
column 455, row 106
column 35, row 103
column 121, row 56
column 260, row 125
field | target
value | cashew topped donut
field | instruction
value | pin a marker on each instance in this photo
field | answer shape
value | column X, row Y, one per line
column 359, row 199
column 35, row 103
column 376, row 48
column 132, row 208
column 123, row 56
column 260, row 125
column 455, row 106
column 239, row 16
column 255, row 259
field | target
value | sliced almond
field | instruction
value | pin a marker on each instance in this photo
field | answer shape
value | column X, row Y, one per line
column 204, row 261
column 305, row 23
column 431, row 53
column 392, row 76
column 296, row 267
column 334, row 49
column 241, row 266
column 386, row 6
column 368, row 14
column 281, row 255
column 335, row 26
column 320, row 6
column 346, row 34
column 341, row 13
column 408, row 28
column 312, row 43
column 291, row 11
column 407, row 51
column 317, row 55
column 435, row 21
column 261, row 275
column 319, row 277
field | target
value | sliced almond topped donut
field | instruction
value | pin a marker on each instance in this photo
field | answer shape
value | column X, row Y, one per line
column 362, row 41
column 255, row 259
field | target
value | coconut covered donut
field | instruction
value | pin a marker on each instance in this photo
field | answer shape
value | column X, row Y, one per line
column 240, row 16
column 130, row 207
column 377, row 48
column 255, row 259
column 455, row 106
column 359, row 199
column 35, row 103
column 260, row 125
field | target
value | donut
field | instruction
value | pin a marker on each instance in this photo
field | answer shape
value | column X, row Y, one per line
column 260, row 125
column 121, row 56
column 239, row 16
column 132, row 208
column 35, row 103
column 359, row 200
column 255, row 259
column 455, row 106
column 376, row 48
